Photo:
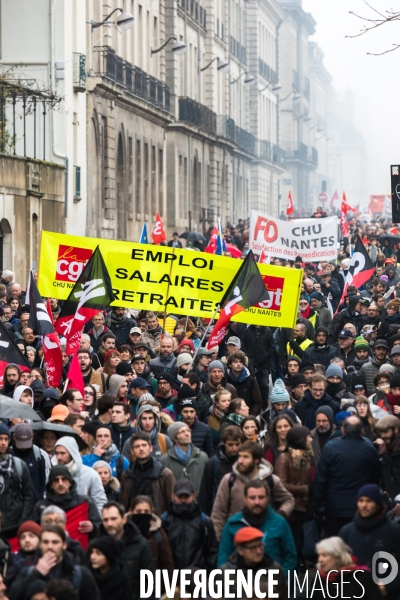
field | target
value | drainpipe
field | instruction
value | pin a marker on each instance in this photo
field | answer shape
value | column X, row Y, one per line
column 53, row 86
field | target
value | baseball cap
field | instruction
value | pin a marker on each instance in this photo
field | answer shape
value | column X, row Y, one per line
column 381, row 344
column 395, row 350
column 345, row 333
column 140, row 345
column 204, row 352
column 140, row 383
column 23, row 436
column 234, row 340
column 247, row 534
column 135, row 330
column 136, row 357
column 59, row 413
column 183, row 487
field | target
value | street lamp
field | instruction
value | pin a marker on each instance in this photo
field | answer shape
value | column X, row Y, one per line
column 274, row 88
column 223, row 65
column 178, row 47
column 249, row 79
column 296, row 97
column 124, row 21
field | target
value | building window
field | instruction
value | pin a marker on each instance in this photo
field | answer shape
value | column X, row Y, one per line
column 104, row 158
column 161, row 181
column 130, row 177
column 138, row 178
column 146, row 179
column 153, row 181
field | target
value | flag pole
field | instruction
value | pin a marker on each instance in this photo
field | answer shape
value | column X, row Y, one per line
column 205, row 333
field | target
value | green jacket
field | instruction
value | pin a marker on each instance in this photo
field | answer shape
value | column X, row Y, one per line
column 193, row 470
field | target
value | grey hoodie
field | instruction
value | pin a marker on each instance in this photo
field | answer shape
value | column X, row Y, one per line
column 114, row 383
column 88, row 482
column 156, row 452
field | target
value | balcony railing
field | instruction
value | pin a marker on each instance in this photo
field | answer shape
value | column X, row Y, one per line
column 197, row 114
column 197, row 12
column 237, row 49
column 226, row 127
column 267, row 72
column 300, row 152
column 132, row 78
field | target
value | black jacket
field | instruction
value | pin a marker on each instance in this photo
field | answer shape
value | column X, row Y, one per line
column 66, row 502
column 135, row 556
column 216, row 467
column 191, row 536
column 333, row 290
column 113, row 585
column 304, row 405
column 390, row 465
column 257, row 344
column 367, row 536
column 120, row 328
column 64, row 570
column 346, row 464
column 16, row 501
column 121, row 433
column 249, row 390
column 319, row 356
column 202, row 438
column 37, row 470
column 346, row 316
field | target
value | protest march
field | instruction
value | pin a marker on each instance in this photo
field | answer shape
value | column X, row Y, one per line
column 214, row 420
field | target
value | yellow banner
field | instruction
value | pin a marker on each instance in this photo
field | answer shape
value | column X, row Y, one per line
column 147, row 277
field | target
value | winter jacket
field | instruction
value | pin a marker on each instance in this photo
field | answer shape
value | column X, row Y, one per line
column 16, row 501
column 368, row 371
column 191, row 536
column 230, row 495
column 36, row 463
column 163, row 364
column 306, row 407
column 165, row 402
column 209, row 390
column 385, row 330
column 278, row 539
column 159, row 545
column 376, row 534
column 318, row 355
column 347, row 463
column 193, row 470
column 114, row 584
column 285, row 334
column 118, row 464
column 201, row 437
column 296, row 481
column 120, row 434
column 316, row 447
column 347, row 357
column 67, row 502
column 95, row 342
column 99, row 379
column 152, row 337
column 390, row 465
column 135, row 556
column 345, row 316
column 325, row 317
column 120, row 326
column 64, row 570
column 216, row 467
column 257, row 344
column 160, row 441
column 332, row 292
column 87, row 480
column 160, row 483
column 112, row 489
column 246, row 388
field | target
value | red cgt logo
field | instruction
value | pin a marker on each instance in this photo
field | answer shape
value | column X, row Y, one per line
column 275, row 287
column 71, row 262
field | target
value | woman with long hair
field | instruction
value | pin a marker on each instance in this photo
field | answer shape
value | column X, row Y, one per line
column 237, row 411
column 217, row 412
column 90, row 400
column 112, row 359
column 15, row 304
column 88, row 434
column 276, row 440
column 250, row 428
column 363, row 408
column 295, row 469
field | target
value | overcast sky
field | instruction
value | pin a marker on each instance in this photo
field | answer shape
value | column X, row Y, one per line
column 375, row 80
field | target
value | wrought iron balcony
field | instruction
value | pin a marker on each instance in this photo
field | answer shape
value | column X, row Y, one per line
column 197, row 114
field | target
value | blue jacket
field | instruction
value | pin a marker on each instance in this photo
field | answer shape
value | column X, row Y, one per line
column 90, row 459
column 278, row 539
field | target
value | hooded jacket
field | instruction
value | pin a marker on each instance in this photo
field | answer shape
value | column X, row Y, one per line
column 114, row 382
column 88, row 482
column 18, row 393
column 120, row 326
column 306, row 407
column 368, row 371
column 347, row 315
column 319, row 354
column 247, row 388
column 117, row 463
column 230, row 496
column 161, row 482
column 155, row 435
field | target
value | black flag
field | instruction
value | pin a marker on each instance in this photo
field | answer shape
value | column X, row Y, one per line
column 39, row 319
column 9, row 351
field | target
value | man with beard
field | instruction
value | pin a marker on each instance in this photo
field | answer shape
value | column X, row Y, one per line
column 370, row 369
column 201, row 364
column 314, row 398
column 258, row 513
column 153, row 334
column 299, row 342
column 166, row 360
column 371, row 531
column 230, row 495
column 183, row 363
column 216, row 378
column 219, row 465
column 143, row 370
column 298, row 386
column 190, row 532
column 388, row 429
column 323, row 312
column 12, row 374
column 120, row 323
column 148, row 422
column 90, row 376
column 165, row 394
column 319, row 351
column 361, row 350
column 324, row 430
column 28, row 535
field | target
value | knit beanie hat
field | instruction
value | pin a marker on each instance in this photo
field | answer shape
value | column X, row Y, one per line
column 109, row 546
column 334, row 370
column 279, row 392
column 372, row 491
column 305, row 365
column 173, row 430
column 101, row 463
column 317, row 296
column 341, row 416
column 395, row 382
column 188, row 402
column 386, row 367
column 186, row 342
column 60, row 471
column 296, row 380
column 358, row 383
column 123, row 368
column 184, row 359
column 166, row 377
column 185, row 391
column 360, row 343
column 216, row 364
column 145, row 398
column 327, row 411
column 4, row 430
column 29, row 526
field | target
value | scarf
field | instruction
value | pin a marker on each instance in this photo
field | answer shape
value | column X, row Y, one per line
column 305, row 313
column 235, row 418
column 214, row 410
column 142, row 521
column 6, row 470
column 71, row 466
column 312, row 407
column 244, row 373
column 98, row 332
column 394, row 400
column 252, row 520
column 182, row 456
column 110, row 454
column 299, row 457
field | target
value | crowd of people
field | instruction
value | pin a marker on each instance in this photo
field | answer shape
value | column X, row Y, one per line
column 277, row 450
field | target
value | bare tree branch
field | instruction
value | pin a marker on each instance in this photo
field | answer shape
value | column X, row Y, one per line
column 389, row 16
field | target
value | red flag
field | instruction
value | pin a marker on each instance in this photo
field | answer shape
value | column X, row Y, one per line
column 264, row 258
column 212, row 244
column 289, row 207
column 343, row 218
column 75, row 377
column 52, row 358
column 158, row 233
column 246, row 289
column 74, row 517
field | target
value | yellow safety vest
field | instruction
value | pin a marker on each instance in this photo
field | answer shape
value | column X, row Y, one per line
column 304, row 345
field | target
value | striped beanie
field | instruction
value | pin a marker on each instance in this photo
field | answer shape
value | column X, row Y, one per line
column 279, row 392
column 360, row 343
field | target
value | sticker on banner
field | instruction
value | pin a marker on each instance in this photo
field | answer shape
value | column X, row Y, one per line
column 71, row 262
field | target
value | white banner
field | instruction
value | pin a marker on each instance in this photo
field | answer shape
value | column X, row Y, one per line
column 312, row 239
